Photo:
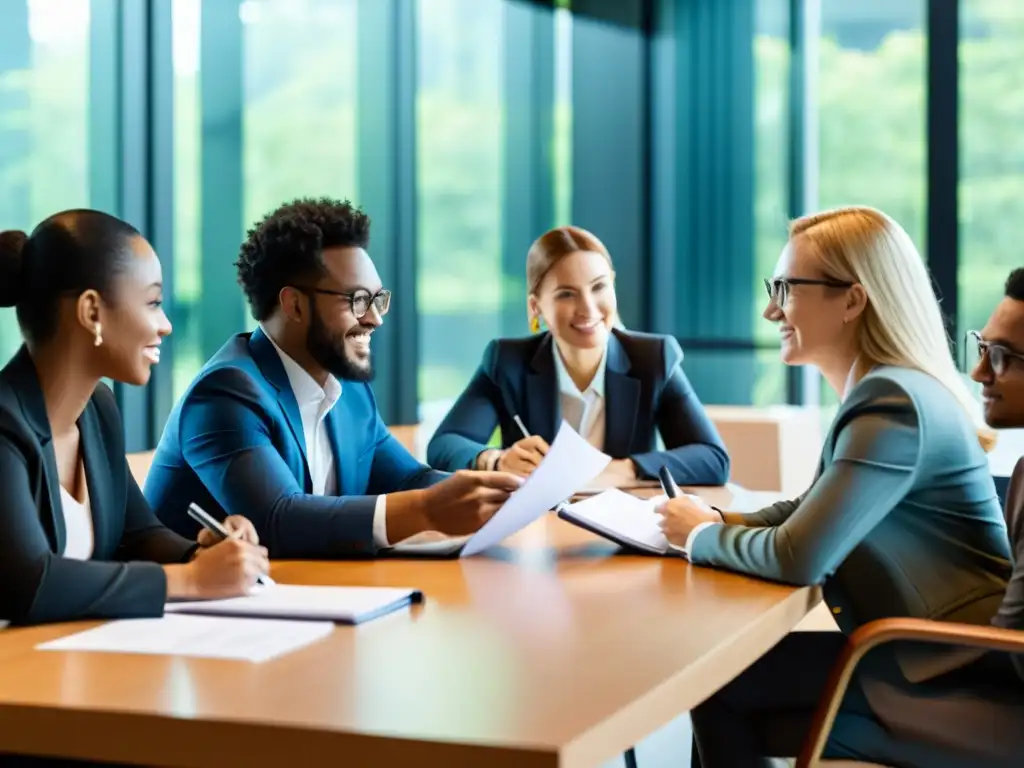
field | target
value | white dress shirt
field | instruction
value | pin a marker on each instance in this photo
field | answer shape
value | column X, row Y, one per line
column 583, row 411
column 315, row 402
column 78, row 540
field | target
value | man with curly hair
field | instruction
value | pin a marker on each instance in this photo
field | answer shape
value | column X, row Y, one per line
column 282, row 423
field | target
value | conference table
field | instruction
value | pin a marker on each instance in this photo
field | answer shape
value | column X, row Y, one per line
column 553, row 649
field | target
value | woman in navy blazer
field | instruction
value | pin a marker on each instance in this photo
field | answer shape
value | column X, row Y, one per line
column 77, row 539
column 617, row 388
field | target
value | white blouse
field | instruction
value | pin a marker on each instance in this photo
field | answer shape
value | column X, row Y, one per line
column 78, row 542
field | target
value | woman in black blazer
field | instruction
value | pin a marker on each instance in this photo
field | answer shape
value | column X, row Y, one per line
column 617, row 388
column 77, row 539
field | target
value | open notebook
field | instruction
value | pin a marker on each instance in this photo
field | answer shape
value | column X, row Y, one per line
column 622, row 518
column 345, row 605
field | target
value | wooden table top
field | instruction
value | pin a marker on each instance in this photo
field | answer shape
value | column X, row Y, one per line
column 552, row 649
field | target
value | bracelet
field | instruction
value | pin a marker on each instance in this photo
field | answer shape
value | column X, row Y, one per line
column 721, row 514
column 496, row 460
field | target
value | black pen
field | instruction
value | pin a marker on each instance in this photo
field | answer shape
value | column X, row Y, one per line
column 668, row 484
column 213, row 525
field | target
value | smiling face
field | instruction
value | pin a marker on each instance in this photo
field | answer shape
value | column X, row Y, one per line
column 1003, row 390
column 336, row 339
column 576, row 299
column 810, row 315
column 132, row 322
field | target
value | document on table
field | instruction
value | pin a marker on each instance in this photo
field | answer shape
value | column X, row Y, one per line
column 255, row 640
column 429, row 544
column 751, row 501
column 622, row 518
column 570, row 463
column 347, row 605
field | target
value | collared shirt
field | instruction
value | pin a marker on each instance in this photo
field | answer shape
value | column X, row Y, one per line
column 315, row 402
column 583, row 411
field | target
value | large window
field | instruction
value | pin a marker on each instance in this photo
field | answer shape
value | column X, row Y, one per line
column 459, row 118
column 992, row 154
column 771, row 188
column 991, row 192
column 494, row 166
column 871, row 96
column 265, row 112
column 45, row 160
column 872, row 114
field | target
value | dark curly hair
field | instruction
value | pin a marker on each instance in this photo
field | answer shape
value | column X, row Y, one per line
column 287, row 246
column 1015, row 284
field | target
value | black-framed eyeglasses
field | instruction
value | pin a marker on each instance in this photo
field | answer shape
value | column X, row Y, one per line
column 360, row 301
column 778, row 287
column 999, row 356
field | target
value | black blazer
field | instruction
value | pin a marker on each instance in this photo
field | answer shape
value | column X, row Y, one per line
column 646, row 392
column 39, row 585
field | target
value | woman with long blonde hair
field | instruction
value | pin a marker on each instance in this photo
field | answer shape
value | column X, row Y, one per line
column 902, row 518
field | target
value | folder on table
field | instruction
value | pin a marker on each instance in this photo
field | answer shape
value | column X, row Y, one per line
column 345, row 605
column 622, row 518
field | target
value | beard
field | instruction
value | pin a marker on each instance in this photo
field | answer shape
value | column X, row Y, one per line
column 329, row 352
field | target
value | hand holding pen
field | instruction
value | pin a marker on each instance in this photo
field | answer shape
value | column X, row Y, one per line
column 236, row 544
column 525, row 455
column 682, row 512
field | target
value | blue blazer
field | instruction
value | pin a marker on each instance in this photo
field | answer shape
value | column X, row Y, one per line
column 234, row 445
column 645, row 390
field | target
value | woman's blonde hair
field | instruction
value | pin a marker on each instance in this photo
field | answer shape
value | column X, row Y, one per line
column 902, row 323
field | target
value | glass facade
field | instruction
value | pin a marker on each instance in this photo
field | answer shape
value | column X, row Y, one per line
column 684, row 133
column 991, row 154
column 47, row 100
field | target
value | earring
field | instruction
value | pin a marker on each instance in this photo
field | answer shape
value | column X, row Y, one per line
column 99, row 335
column 535, row 325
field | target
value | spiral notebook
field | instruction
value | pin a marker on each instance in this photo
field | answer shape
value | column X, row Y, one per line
column 622, row 518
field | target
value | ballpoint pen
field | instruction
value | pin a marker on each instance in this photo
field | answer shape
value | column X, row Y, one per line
column 213, row 525
column 668, row 484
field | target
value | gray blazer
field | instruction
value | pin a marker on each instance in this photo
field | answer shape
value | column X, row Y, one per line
column 902, row 519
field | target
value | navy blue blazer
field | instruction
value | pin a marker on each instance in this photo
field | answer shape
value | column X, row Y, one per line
column 123, row 579
column 234, row 445
column 645, row 391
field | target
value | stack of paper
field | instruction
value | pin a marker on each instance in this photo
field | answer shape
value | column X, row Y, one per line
column 255, row 640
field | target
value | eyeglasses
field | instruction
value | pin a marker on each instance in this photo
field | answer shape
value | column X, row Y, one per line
column 999, row 356
column 359, row 301
column 778, row 288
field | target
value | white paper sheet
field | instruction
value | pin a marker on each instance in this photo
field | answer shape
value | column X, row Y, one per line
column 622, row 517
column 571, row 462
column 210, row 637
column 751, row 501
column 350, row 605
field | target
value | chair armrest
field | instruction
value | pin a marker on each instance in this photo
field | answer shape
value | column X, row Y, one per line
column 882, row 631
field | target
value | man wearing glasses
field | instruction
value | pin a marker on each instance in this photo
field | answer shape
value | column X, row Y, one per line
column 1000, row 371
column 282, row 422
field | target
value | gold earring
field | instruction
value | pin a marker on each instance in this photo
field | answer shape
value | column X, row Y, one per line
column 535, row 325
column 99, row 335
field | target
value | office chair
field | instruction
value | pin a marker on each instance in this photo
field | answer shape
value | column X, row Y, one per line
column 877, row 633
